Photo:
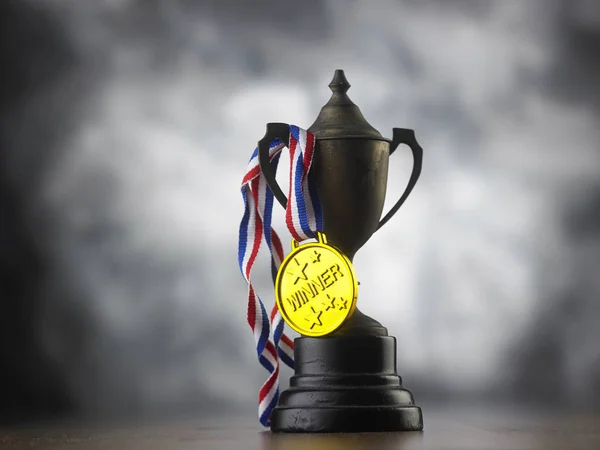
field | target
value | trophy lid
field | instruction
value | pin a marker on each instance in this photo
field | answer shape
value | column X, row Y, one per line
column 340, row 118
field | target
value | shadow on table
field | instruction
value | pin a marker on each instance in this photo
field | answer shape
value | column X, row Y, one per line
column 380, row 441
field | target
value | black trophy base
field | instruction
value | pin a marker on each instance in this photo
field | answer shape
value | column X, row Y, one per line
column 346, row 384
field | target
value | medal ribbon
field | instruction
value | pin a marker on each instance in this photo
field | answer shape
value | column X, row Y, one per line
column 303, row 217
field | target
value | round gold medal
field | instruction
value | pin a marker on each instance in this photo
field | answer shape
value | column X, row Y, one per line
column 316, row 288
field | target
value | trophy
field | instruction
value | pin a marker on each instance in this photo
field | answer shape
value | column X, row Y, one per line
column 345, row 376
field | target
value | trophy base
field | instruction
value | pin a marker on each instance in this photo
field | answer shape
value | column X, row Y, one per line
column 346, row 384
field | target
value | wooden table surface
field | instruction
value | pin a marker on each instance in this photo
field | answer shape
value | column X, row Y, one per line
column 446, row 429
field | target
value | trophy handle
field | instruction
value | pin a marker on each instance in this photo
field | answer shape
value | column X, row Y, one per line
column 274, row 131
column 405, row 136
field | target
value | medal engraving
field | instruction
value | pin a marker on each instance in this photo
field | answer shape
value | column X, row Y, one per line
column 316, row 288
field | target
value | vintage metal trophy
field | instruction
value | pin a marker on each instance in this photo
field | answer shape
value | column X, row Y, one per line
column 345, row 363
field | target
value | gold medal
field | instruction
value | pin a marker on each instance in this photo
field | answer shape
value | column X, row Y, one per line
column 316, row 288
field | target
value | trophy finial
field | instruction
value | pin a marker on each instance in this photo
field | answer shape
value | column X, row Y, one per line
column 340, row 118
column 339, row 83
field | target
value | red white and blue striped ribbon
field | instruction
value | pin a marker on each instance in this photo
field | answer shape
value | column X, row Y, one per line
column 303, row 218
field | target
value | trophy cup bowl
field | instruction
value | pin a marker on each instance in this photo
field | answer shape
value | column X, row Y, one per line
column 347, row 381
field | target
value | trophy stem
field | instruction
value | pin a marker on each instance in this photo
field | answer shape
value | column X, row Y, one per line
column 360, row 324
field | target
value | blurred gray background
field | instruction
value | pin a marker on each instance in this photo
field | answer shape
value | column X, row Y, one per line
column 125, row 128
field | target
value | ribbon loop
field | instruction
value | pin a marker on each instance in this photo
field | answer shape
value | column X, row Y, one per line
column 303, row 217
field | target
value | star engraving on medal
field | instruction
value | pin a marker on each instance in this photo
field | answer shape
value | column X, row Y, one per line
column 299, row 272
column 342, row 303
column 314, row 317
column 330, row 303
column 316, row 258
